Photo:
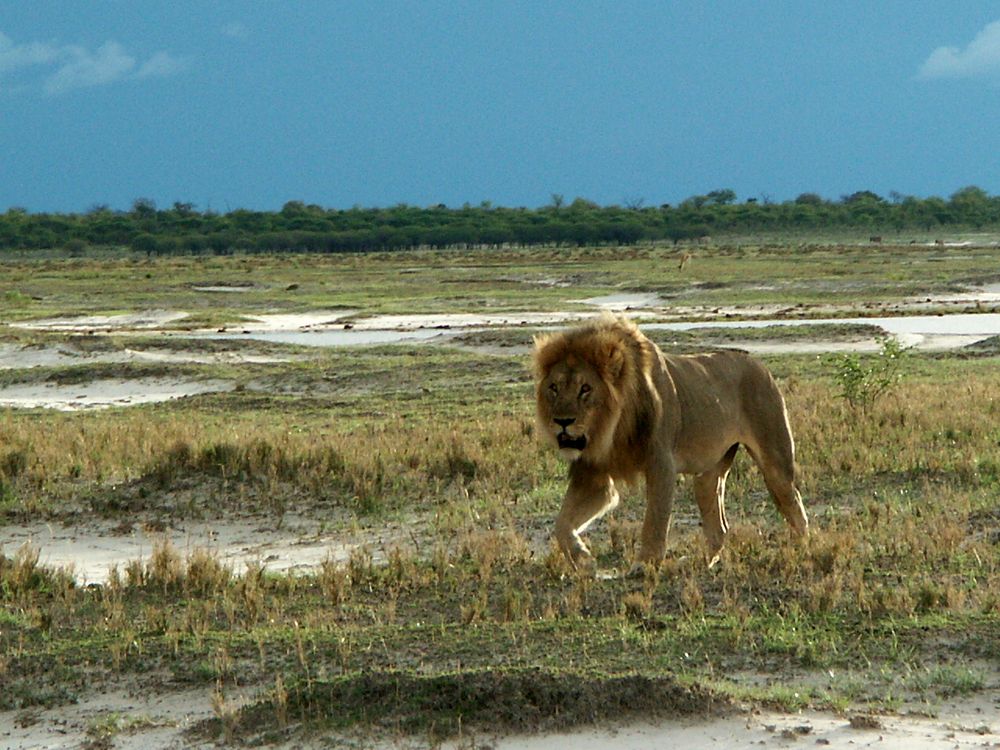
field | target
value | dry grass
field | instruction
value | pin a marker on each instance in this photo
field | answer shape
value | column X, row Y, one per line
column 935, row 428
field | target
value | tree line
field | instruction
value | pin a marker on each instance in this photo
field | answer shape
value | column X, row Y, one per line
column 310, row 228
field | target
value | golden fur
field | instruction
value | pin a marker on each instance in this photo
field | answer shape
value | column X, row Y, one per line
column 618, row 408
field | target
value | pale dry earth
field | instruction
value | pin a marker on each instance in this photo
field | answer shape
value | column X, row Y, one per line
column 159, row 721
column 89, row 548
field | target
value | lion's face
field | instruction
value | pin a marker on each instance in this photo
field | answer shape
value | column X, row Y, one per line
column 575, row 409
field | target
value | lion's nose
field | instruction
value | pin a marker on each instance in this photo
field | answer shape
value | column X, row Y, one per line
column 565, row 422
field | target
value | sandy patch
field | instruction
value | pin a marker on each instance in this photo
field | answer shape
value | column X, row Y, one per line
column 223, row 288
column 181, row 357
column 319, row 329
column 14, row 357
column 465, row 320
column 103, row 394
column 26, row 357
column 145, row 720
column 968, row 724
column 158, row 721
column 333, row 336
column 931, row 332
column 90, row 549
column 871, row 346
column 622, row 302
column 293, row 321
column 146, row 319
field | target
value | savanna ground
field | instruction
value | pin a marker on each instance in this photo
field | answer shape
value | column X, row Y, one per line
column 464, row 619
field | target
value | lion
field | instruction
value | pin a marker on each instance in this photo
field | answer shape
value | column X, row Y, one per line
column 617, row 408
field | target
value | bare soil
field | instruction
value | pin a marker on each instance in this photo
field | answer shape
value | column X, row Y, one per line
column 144, row 718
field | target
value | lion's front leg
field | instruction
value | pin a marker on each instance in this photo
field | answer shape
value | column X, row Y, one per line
column 590, row 495
column 660, row 485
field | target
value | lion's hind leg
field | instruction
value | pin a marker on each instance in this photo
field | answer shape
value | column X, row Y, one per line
column 710, row 493
column 588, row 497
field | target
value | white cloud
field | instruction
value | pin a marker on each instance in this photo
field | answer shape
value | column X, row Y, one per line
column 160, row 65
column 61, row 68
column 980, row 57
column 84, row 68
column 15, row 56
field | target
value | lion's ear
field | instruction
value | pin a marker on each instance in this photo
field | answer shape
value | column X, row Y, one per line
column 614, row 356
column 542, row 354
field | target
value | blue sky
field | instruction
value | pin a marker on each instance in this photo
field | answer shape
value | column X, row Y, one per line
column 251, row 104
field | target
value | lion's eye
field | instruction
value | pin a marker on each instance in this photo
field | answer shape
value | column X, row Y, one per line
column 584, row 390
column 553, row 389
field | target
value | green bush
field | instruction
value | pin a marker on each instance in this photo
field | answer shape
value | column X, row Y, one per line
column 863, row 381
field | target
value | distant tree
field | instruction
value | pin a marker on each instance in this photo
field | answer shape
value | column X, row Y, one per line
column 678, row 232
column 557, row 201
column 935, row 211
column 75, row 247
column 809, row 199
column 971, row 205
column 721, row 197
column 582, row 204
column 293, row 208
column 144, row 208
column 970, row 194
column 695, row 201
column 144, row 243
column 862, row 196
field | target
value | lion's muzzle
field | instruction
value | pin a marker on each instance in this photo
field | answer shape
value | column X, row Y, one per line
column 571, row 442
column 564, row 439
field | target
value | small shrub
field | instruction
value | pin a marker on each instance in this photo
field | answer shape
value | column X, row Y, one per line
column 692, row 597
column 165, row 566
column 861, row 382
column 13, row 464
column 456, row 463
column 334, row 581
column 636, row 605
column 361, row 566
column 516, row 605
column 206, row 575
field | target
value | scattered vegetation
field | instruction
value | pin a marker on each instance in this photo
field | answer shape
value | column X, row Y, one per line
column 471, row 618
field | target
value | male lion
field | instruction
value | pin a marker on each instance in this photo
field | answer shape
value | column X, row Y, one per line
column 616, row 407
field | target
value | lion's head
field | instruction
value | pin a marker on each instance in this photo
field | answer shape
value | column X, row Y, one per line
column 579, row 387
